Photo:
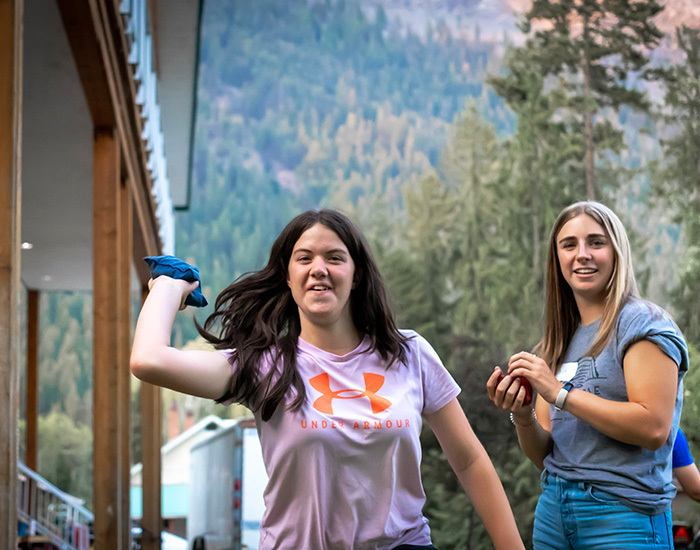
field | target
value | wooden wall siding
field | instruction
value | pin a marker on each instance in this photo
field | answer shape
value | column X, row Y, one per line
column 10, row 196
column 108, row 482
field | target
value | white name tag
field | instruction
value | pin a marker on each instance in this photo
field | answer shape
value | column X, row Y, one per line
column 567, row 371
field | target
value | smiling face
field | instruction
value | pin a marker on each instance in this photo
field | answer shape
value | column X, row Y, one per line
column 321, row 276
column 586, row 258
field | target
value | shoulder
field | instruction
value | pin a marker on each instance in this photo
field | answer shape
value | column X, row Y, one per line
column 635, row 307
column 418, row 348
column 410, row 335
column 414, row 341
column 644, row 320
column 638, row 314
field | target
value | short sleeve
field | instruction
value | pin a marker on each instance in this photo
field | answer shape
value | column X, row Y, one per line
column 439, row 388
column 681, row 451
column 642, row 320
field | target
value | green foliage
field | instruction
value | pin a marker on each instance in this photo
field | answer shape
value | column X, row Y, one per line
column 65, row 455
column 679, row 183
column 454, row 523
column 65, row 352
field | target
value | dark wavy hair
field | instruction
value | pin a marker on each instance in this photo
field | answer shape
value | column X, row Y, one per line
column 257, row 314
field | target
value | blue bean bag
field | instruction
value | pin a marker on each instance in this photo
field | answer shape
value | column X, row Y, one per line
column 171, row 266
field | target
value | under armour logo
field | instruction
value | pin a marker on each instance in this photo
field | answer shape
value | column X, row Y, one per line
column 373, row 383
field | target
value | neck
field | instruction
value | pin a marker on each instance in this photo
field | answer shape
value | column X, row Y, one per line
column 335, row 339
column 589, row 311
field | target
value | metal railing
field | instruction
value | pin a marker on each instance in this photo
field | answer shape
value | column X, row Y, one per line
column 51, row 513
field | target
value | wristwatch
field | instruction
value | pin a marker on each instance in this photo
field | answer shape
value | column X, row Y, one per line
column 561, row 397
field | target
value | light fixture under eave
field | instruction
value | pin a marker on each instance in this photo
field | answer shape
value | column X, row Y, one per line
column 27, row 246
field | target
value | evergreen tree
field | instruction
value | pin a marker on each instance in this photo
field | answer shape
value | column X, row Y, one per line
column 545, row 169
column 597, row 51
column 680, row 183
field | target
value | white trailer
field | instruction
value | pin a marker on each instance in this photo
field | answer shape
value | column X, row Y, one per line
column 227, row 481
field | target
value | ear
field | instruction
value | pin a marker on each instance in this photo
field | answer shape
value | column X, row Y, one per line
column 356, row 278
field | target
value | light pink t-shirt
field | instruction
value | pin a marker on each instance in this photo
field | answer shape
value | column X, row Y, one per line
column 345, row 470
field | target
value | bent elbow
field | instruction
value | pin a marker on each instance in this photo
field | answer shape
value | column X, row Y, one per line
column 656, row 439
column 140, row 367
column 653, row 445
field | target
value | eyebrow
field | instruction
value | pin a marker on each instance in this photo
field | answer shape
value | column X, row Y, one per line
column 590, row 235
column 331, row 251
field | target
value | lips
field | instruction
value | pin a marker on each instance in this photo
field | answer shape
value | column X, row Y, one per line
column 319, row 288
column 585, row 271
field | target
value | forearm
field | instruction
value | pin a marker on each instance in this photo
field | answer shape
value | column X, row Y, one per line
column 534, row 440
column 154, row 325
column 485, row 490
column 689, row 479
column 626, row 421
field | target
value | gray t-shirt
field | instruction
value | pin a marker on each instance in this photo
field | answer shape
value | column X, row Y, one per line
column 641, row 478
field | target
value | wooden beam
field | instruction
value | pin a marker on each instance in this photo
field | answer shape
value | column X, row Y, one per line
column 32, row 413
column 124, row 387
column 11, row 46
column 107, row 484
column 98, row 42
column 85, row 44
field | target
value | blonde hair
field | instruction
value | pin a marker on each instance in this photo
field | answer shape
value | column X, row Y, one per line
column 561, row 313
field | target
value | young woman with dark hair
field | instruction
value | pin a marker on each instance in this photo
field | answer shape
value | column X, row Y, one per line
column 309, row 344
column 608, row 374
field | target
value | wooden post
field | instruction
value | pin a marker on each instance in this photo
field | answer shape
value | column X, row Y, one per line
column 32, row 378
column 151, row 425
column 11, row 14
column 106, row 455
column 124, row 389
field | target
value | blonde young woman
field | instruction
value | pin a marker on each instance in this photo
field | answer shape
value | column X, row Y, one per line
column 608, row 374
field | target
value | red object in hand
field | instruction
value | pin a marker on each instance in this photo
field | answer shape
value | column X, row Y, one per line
column 525, row 383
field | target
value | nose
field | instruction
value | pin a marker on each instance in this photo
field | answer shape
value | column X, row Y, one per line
column 318, row 267
column 582, row 250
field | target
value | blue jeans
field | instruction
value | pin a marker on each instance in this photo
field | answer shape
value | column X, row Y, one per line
column 572, row 515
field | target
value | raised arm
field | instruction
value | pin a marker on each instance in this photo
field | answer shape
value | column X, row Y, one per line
column 476, row 474
column 154, row 360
